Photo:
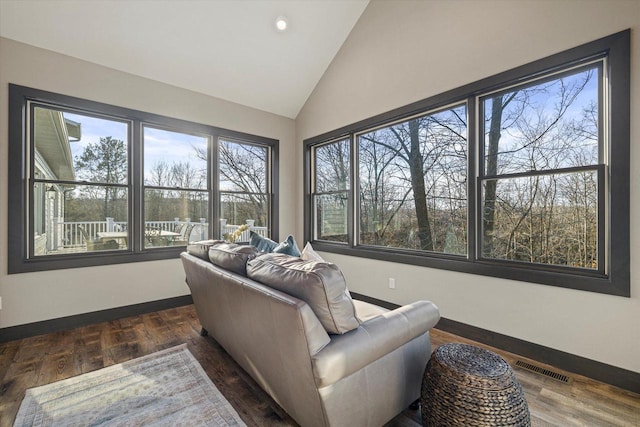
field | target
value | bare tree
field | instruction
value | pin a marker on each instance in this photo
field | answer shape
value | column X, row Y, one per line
column 160, row 174
column 545, row 127
column 415, row 165
column 332, row 166
column 382, row 196
column 331, row 186
column 243, row 174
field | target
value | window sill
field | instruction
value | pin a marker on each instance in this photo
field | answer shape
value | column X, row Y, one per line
column 60, row 262
column 585, row 281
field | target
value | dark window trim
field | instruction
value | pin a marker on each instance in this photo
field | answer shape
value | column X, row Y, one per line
column 616, row 48
column 18, row 215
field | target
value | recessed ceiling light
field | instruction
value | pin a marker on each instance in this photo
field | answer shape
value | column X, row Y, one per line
column 281, row 23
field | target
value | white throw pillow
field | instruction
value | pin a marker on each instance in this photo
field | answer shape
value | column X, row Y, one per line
column 308, row 254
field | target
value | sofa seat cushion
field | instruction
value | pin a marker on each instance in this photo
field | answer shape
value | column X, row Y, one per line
column 201, row 248
column 321, row 285
column 232, row 257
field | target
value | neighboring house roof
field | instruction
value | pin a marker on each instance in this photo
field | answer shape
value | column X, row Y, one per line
column 52, row 134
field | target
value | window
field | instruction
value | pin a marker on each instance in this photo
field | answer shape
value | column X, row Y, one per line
column 523, row 175
column 176, row 181
column 331, row 190
column 96, row 184
column 245, row 188
column 80, row 181
column 542, row 180
column 413, row 183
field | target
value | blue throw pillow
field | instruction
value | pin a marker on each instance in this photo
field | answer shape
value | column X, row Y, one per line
column 261, row 243
column 288, row 247
column 264, row 244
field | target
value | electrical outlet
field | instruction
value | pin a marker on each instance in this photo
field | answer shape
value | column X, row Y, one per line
column 392, row 283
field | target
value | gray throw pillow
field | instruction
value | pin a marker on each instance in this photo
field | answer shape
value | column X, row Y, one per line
column 319, row 284
column 232, row 257
column 201, row 248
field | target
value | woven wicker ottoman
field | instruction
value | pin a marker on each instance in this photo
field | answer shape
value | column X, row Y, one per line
column 464, row 385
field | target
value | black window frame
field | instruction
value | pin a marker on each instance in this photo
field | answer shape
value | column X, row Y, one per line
column 271, row 180
column 348, row 191
column 20, row 219
column 616, row 279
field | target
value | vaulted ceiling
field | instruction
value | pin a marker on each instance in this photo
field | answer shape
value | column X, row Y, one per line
column 229, row 49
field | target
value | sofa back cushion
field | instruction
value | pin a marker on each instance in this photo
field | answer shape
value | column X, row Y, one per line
column 232, row 257
column 201, row 248
column 321, row 285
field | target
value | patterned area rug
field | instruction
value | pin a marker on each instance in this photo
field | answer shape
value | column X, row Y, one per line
column 167, row 388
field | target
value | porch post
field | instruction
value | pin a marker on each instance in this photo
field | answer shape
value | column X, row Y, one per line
column 203, row 224
column 223, row 226
column 56, row 232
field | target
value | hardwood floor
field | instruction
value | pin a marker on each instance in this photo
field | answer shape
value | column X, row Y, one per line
column 43, row 359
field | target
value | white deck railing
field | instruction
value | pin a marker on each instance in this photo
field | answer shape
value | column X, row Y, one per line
column 67, row 234
column 245, row 236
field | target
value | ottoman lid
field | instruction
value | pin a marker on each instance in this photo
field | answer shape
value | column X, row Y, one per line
column 471, row 360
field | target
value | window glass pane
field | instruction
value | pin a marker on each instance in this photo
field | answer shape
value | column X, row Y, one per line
column 332, row 162
column 549, row 125
column 331, row 212
column 237, row 209
column 79, row 218
column 413, row 183
column 243, row 167
column 173, row 159
column 75, row 147
column 548, row 219
column 174, row 217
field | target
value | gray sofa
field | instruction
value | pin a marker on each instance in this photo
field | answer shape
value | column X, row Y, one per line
column 326, row 359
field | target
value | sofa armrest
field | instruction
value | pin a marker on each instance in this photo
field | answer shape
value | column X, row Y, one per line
column 373, row 339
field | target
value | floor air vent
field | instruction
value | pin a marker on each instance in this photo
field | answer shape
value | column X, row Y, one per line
column 542, row 371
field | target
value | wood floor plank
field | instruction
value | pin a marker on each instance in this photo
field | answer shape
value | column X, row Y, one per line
column 7, row 356
column 46, row 358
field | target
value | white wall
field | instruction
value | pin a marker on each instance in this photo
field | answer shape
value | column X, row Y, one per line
column 404, row 51
column 32, row 297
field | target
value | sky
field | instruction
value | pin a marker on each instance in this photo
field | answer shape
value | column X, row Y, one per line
column 159, row 145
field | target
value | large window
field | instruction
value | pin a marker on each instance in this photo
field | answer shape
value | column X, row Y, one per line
column 96, row 184
column 523, row 175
